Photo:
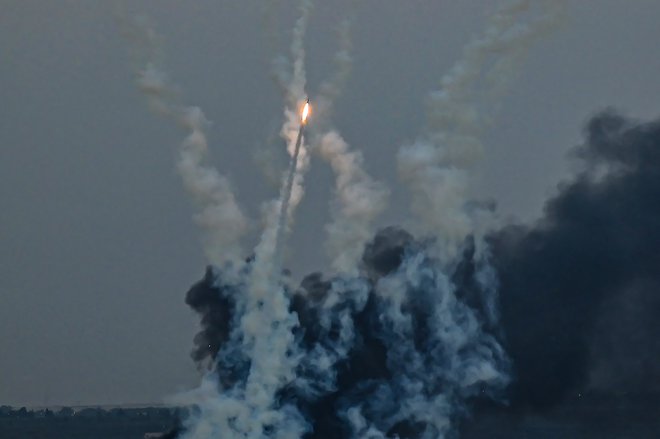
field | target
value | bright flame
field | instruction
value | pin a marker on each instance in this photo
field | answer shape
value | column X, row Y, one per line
column 305, row 112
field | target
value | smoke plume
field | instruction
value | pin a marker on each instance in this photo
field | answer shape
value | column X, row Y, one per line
column 437, row 167
column 579, row 288
column 396, row 350
column 220, row 218
column 358, row 202
column 359, row 199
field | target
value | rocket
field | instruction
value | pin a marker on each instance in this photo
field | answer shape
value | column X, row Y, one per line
column 305, row 112
column 303, row 122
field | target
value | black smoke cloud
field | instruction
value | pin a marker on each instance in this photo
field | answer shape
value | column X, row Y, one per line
column 580, row 289
column 578, row 296
column 215, row 311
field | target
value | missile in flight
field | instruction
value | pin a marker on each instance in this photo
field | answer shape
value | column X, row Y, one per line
column 305, row 112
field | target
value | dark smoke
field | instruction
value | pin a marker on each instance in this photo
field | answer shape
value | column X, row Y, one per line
column 215, row 310
column 580, row 289
column 214, row 302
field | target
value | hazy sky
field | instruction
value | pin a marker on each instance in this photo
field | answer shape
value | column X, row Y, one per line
column 97, row 245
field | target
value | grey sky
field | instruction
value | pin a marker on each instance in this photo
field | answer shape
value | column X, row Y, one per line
column 97, row 243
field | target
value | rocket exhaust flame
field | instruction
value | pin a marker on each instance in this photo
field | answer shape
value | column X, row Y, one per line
column 305, row 112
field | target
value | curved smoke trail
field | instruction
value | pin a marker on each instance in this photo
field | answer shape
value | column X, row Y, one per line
column 359, row 199
column 436, row 166
column 220, row 217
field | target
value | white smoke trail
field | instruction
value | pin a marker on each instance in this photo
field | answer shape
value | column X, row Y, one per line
column 220, row 218
column 436, row 167
column 266, row 323
column 359, row 200
column 289, row 74
column 292, row 189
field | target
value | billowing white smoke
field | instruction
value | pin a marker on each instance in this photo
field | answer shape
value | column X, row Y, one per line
column 359, row 200
column 437, row 166
column 220, row 218
column 395, row 349
column 472, row 360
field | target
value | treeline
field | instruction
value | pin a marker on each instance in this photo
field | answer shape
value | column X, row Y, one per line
column 90, row 413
